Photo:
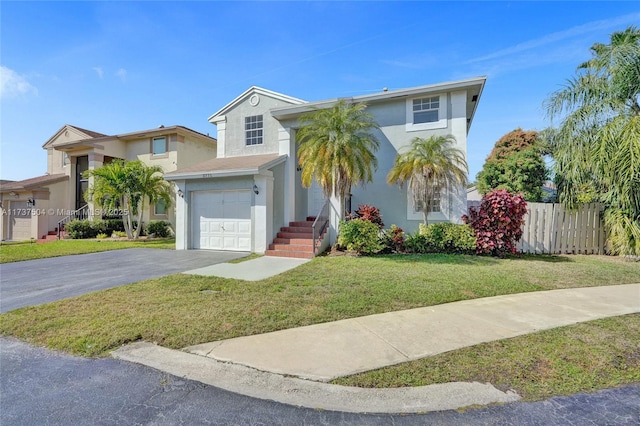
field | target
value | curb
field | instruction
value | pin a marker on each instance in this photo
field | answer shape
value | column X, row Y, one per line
column 294, row 391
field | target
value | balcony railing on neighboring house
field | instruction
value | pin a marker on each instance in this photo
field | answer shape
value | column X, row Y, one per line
column 81, row 214
column 320, row 226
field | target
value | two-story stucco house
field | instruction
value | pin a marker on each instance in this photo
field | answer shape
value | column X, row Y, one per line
column 33, row 207
column 250, row 197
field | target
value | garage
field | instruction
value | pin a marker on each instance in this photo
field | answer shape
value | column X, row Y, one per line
column 221, row 220
column 19, row 221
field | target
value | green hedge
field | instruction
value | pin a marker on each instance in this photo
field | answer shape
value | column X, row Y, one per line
column 442, row 238
column 81, row 229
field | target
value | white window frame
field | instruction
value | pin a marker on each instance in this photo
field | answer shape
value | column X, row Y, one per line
column 166, row 146
column 442, row 113
column 440, row 216
column 254, row 130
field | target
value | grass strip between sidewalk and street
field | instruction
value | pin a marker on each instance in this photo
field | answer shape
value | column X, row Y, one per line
column 30, row 251
column 579, row 358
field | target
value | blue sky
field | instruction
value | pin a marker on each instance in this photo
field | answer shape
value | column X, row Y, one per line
column 117, row 67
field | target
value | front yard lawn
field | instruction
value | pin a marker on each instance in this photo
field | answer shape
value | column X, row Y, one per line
column 30, row 251
column 181, row 310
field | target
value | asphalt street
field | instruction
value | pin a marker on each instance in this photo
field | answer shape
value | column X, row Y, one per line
column 34, row 282
column 39, row 386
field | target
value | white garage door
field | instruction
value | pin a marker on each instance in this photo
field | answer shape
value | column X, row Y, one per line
column 20, row 220
column 221, row 220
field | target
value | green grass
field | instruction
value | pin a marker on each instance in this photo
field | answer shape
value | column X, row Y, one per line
column 20, row 252
column 579, row 358
column 248, row 257
column 176, row 311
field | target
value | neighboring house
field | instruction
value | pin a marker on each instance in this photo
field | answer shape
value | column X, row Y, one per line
column 33, row 207
column 252, row 191
column 473, row 194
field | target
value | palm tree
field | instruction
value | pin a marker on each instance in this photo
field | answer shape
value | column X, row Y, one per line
column 152, row 186
column 124, row 185
column 336, row 146
column 431, row 167
column 597, row 143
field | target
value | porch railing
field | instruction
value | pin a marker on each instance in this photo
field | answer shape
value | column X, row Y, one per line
column 320, row 225
column 81, row 214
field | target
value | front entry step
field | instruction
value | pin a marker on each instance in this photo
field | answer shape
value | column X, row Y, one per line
column 295, row 240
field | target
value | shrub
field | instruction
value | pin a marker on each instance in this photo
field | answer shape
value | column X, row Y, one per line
column 119, row 234
column 417, row 243
column 79, row 229
column 449, row 238
column 158, row 228
column 370, row 214
column 359, row 235
column 392, row 240
column 497, row 222
column 101, row 236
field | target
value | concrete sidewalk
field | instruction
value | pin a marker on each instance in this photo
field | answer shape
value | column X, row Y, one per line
column 264, row 366
column 326, row 351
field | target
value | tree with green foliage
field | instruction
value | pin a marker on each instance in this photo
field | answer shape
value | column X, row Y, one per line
column 336, row 147
column 124, row 185
column 431, row 167
column 516, row 164
column 596, row 145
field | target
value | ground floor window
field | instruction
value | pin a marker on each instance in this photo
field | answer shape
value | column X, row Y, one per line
column 160, row 208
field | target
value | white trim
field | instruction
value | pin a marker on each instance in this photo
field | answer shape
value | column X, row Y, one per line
column 442, row 113
column 415, row 92
column 214, row 118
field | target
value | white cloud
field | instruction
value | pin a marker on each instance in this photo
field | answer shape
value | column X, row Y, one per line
column 98, row 71
column 579, row 30
column 13, row 84
column 122, row 74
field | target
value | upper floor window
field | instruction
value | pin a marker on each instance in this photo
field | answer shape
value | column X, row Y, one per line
column 253, row 127
column 425, row 110
column 159, row 145
column 426, row 113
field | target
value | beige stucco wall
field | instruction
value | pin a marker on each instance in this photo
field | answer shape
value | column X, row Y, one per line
column 192, row 151
column 140, row 149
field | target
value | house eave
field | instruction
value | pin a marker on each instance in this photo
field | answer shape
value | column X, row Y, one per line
column 213, row 174
column 294, row 111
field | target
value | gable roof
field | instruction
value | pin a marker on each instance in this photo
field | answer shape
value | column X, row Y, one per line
column 250, row 91
column 229, row 166
column 93, row 137
column 34, row 182
column 90, row 134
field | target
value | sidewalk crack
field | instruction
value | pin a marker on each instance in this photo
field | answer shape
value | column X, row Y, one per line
column 394, row 347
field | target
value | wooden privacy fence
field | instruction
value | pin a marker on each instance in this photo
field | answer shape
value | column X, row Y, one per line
column 549, row 228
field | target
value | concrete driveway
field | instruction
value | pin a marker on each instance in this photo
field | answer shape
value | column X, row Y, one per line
column 44, row 280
